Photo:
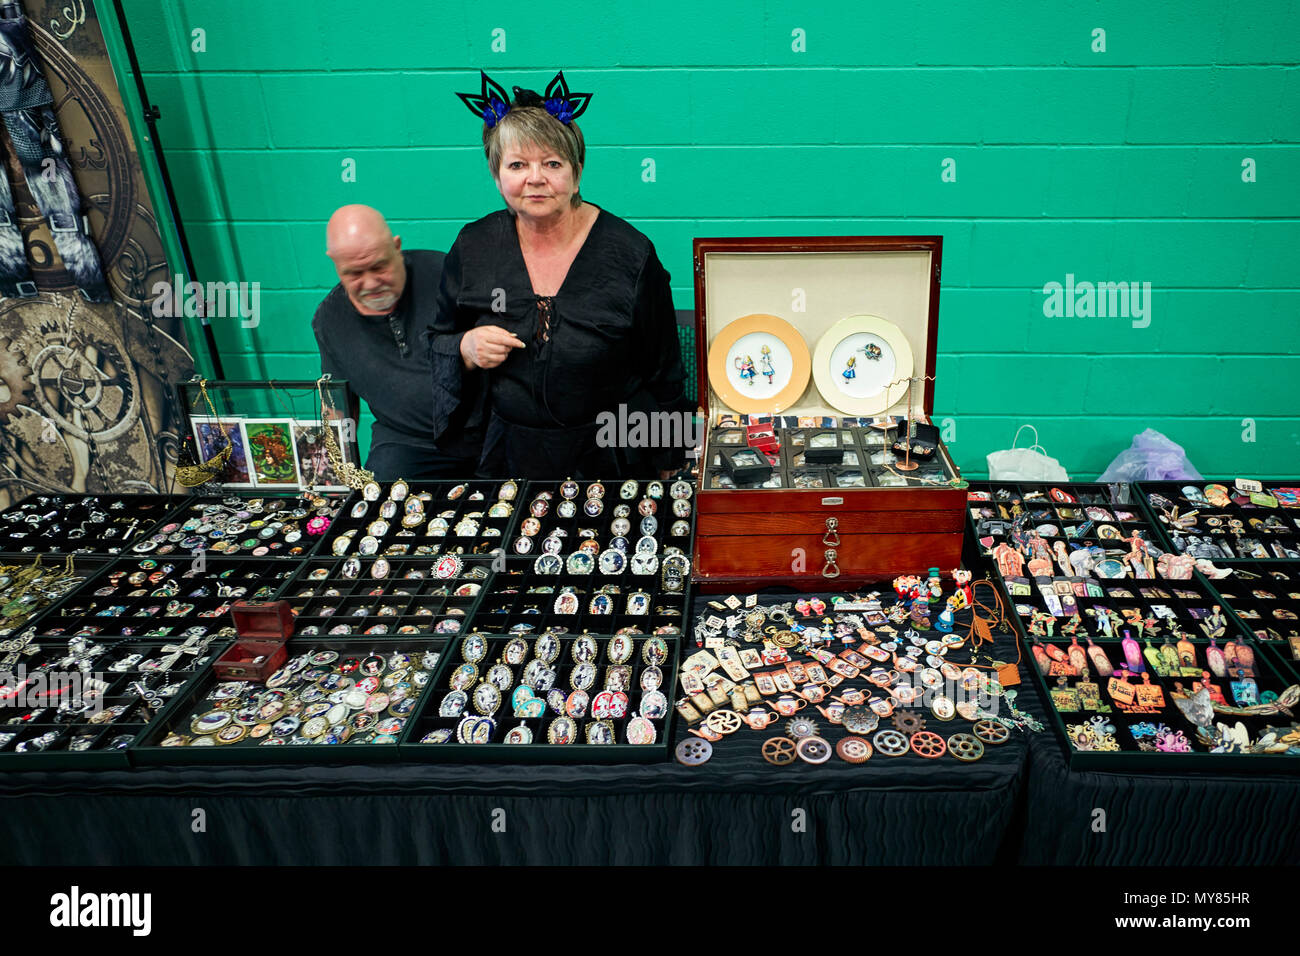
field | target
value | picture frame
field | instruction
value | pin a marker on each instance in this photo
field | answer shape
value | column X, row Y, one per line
column 272, row 457
column 238, row 471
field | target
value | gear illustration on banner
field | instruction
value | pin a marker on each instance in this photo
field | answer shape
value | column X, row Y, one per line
column 15, row 380
column 87, row 390
column 86, row 387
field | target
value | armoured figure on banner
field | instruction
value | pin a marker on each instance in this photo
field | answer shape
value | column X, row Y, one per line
column 25, row 105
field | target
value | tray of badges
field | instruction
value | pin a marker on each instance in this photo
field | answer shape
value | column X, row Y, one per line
column 258, row 525
column 571, row 595
column 165, row 599
column 1083, row 629
column 31, row 585
column 1228, row 520
column 548, row 698
column 400, row 519
column 336, row 700
column 777, row 320
column 394, row 597
column 56, row 524
column 1265, row 598
column 559, row 516
column 81, row 702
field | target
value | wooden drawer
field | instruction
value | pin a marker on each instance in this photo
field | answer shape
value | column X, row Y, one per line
column 820, row 522
column 738, row 501
column 726, row 562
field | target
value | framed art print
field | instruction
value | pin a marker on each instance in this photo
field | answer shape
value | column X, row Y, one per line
column 314, row 468
column 208, row 441
column 861, row 365
column 271, row 453
column 758, row 364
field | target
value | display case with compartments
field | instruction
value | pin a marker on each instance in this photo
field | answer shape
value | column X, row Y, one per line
column 835, row 339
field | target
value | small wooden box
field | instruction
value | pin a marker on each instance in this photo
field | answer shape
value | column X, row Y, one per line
column 811, row 536
column 263, row 631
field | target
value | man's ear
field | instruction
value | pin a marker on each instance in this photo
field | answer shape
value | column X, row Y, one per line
column 397, row 243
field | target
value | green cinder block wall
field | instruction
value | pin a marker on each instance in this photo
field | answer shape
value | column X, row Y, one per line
column 1109, row 141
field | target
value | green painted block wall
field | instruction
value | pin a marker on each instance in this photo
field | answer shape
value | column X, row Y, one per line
column 1122, row 164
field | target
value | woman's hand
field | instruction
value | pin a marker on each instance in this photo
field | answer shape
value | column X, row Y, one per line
column 487, row 346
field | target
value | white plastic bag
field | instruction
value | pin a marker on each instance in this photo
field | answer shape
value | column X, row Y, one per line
column 1025, row 464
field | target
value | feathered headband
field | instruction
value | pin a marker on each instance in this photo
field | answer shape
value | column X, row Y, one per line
column 492, row 103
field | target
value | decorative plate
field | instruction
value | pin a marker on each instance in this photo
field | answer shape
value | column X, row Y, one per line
column 750, row 380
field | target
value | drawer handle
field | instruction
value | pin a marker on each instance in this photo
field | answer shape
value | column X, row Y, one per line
column 830, row 569
column 832, row 535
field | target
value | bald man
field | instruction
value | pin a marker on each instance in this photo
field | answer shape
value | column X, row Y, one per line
column 368, row 330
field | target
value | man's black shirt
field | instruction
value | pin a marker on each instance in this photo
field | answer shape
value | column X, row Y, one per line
column 384, row 360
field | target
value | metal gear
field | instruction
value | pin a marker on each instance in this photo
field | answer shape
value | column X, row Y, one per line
column 15, row 375
column 907, row 722
column 800, row 727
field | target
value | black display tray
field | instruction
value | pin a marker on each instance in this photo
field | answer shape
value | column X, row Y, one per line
column 177, row 717
column 1132, row 759
column 1277, row 637
column 628, row 502
column 422, row 608
column 57, row 517
column 426, row 718
column 860, row 446
column 511, row 605
column 171, row 538
column 1213, row 535
column 438, row 504
column 260, row 578
column 1197, row 593
column 88, row 567
column 133, row 723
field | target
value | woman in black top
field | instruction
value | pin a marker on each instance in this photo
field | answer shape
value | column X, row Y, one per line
column 552, row 312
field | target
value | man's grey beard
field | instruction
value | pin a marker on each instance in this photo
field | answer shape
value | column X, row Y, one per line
column 379, row 303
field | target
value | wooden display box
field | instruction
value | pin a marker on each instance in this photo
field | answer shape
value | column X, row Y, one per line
column 263, row 631
column 875, row 292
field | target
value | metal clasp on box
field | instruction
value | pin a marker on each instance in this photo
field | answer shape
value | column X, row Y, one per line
column 832, row 535
column 830, row 569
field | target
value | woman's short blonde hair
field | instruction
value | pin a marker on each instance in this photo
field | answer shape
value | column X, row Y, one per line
column 533, row 125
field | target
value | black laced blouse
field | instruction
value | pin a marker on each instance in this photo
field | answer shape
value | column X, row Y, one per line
column 607, row 338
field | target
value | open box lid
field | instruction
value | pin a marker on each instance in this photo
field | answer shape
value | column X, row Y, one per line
column 855, row 295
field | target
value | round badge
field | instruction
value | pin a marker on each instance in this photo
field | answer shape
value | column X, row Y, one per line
column 612, row 561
